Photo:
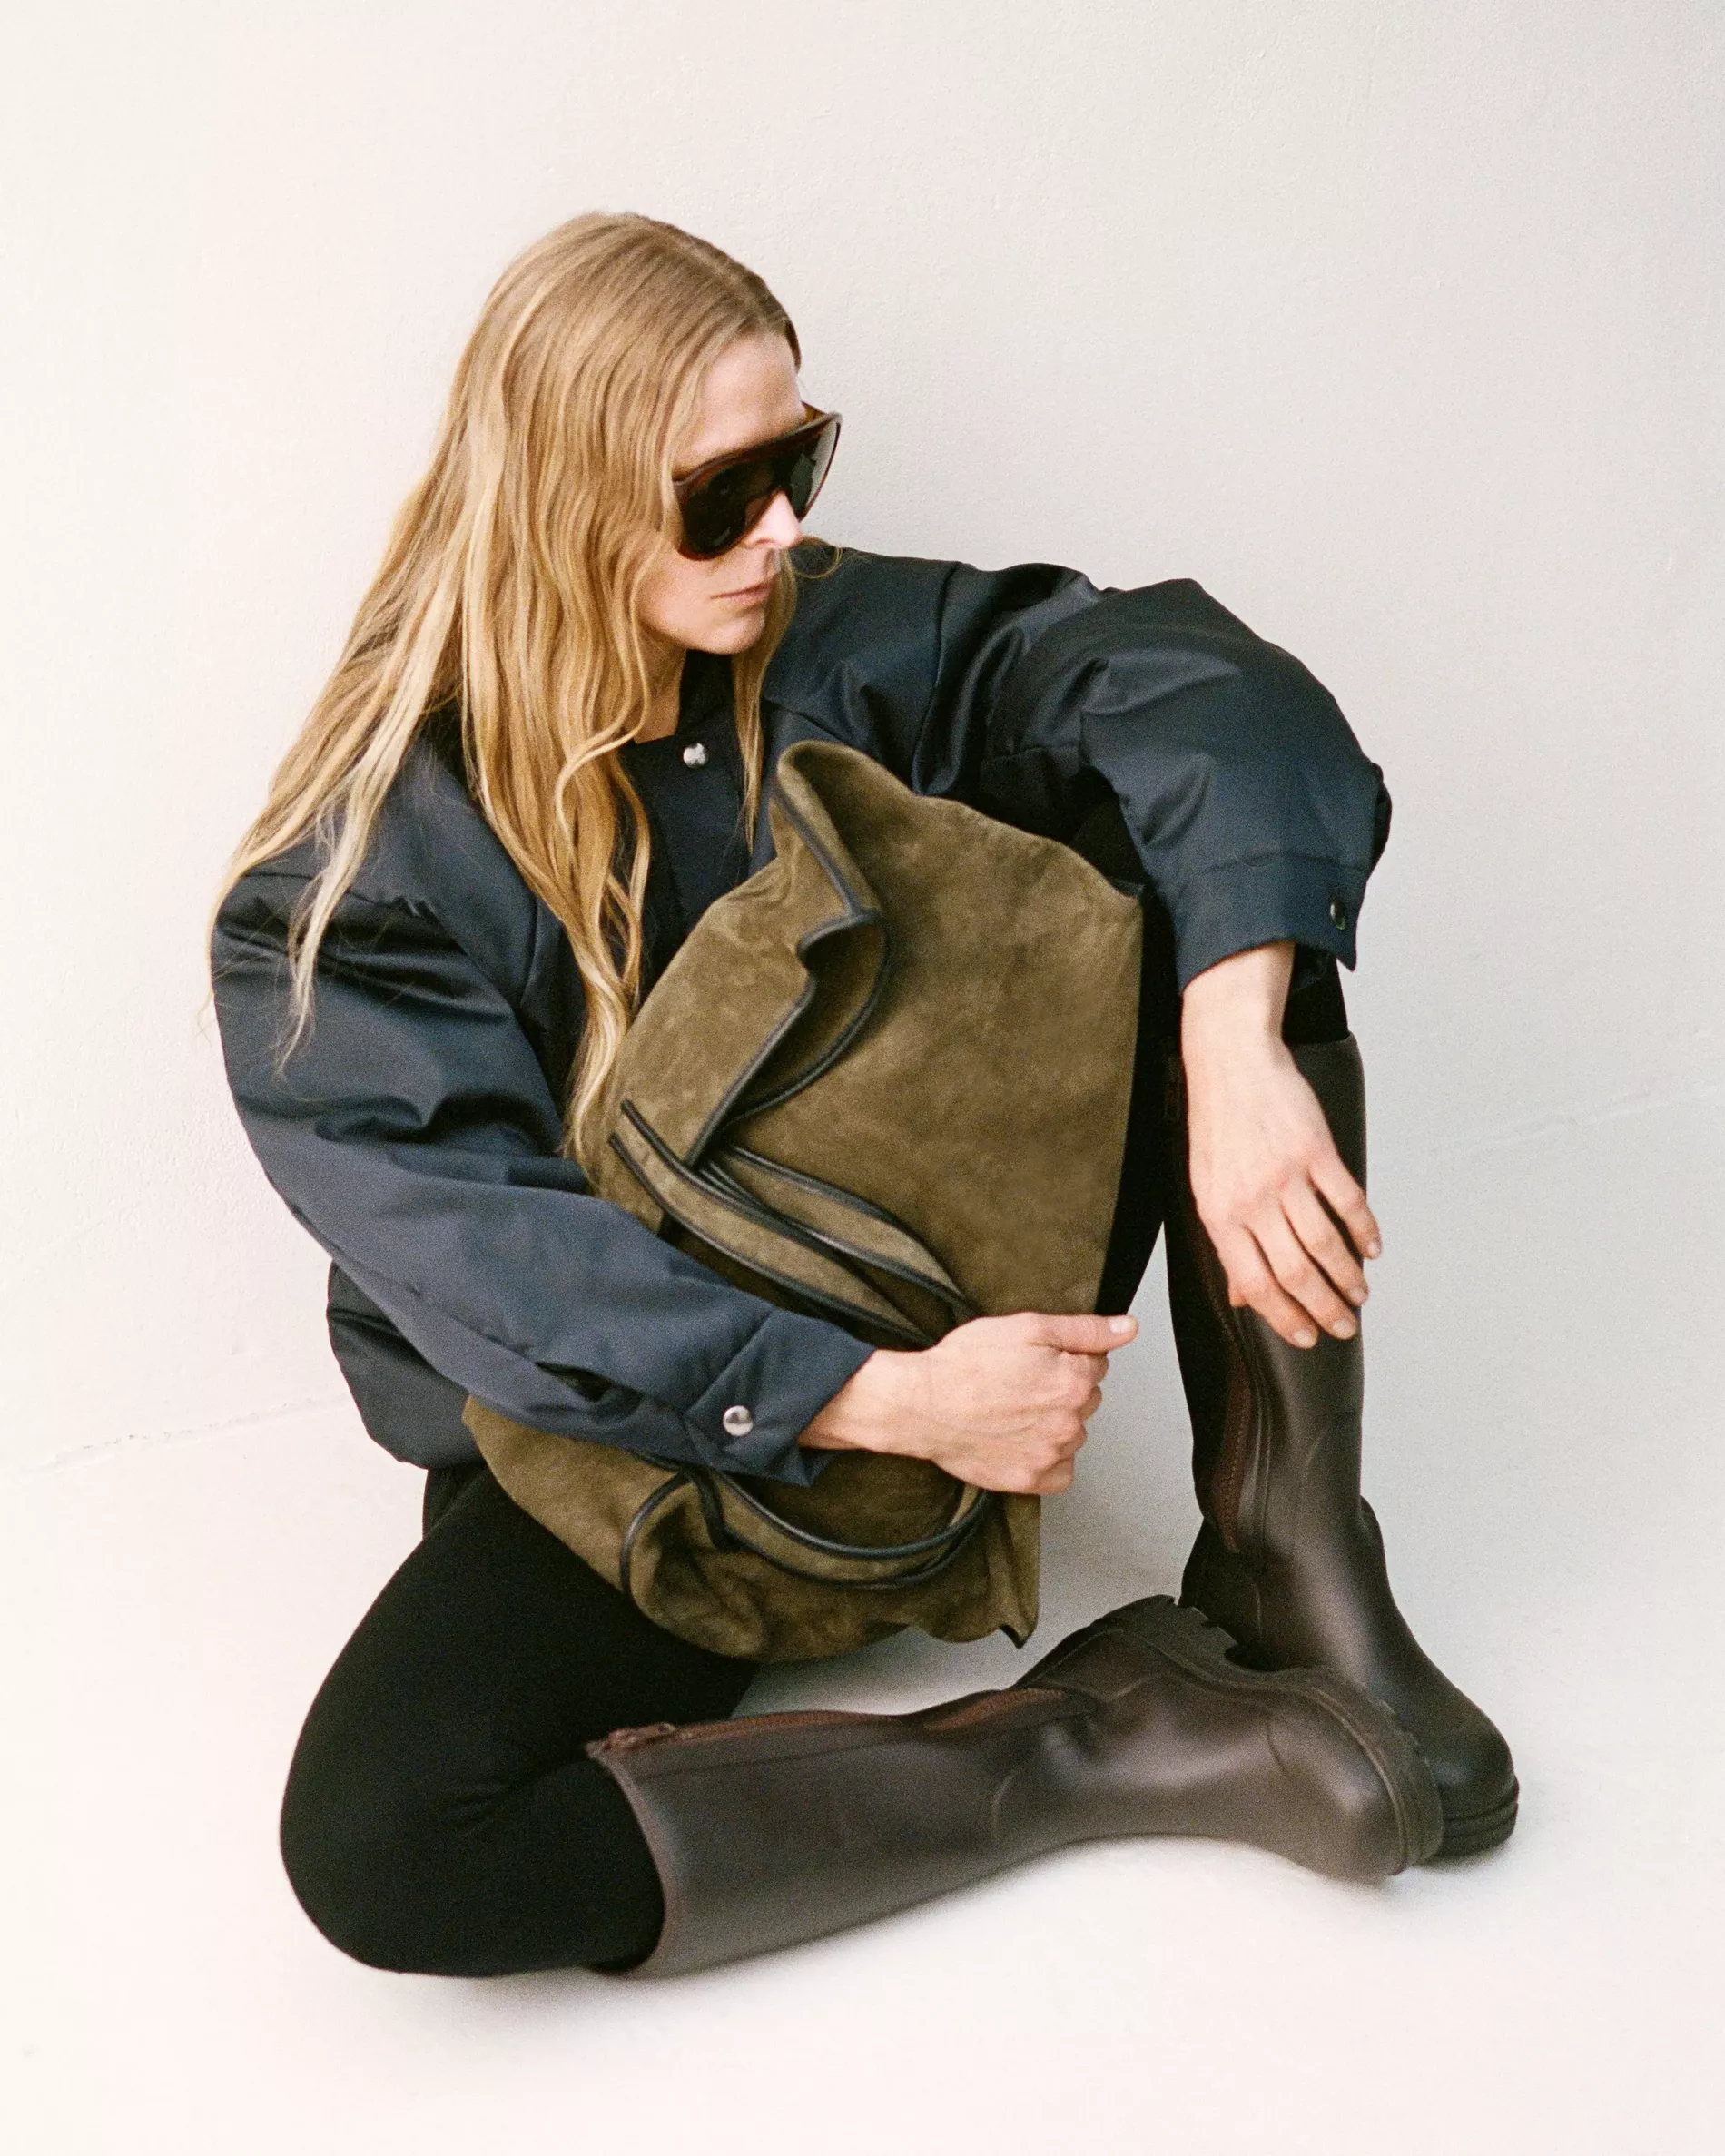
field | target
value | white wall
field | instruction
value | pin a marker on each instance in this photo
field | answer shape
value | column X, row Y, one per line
column 1398, row 327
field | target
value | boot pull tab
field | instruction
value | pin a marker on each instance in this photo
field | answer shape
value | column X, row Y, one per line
column 634, row 1740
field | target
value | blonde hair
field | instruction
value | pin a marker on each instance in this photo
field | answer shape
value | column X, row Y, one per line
column 510, row 584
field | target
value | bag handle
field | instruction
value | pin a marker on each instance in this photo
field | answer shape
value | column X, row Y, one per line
column 940, row 1548
column 814, row 1262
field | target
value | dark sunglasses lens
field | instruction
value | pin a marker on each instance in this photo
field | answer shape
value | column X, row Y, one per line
column 721, row 509
column 729, row 503
column 810, row 468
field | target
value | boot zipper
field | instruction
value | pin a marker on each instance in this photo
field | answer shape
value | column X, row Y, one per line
column 686, row 1733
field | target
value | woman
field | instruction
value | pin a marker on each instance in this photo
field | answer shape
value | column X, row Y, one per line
column 541, row 758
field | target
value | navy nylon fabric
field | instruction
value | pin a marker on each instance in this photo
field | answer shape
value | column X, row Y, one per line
column 415, row 1133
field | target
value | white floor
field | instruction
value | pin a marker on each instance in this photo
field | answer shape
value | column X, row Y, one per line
column 1545, row 1426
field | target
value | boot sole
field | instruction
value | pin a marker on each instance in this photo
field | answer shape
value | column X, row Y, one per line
column 1466, row 1833
column 1194, row 1642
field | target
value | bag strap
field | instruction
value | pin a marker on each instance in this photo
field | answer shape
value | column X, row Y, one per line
column 739, row 1202
column 711, row 1486
column 819, row 1260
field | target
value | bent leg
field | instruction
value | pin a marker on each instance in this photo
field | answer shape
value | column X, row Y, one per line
column 1315, row 1014
column 441, row 1815
column 1290, row 1559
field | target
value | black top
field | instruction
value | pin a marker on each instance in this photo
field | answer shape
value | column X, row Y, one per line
column 416, row 1131
column 691, row 786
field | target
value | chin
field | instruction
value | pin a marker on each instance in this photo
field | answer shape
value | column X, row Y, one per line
column 737, row 633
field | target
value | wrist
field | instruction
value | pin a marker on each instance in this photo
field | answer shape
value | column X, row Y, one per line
column 1238, row 1002
column 863, row 1414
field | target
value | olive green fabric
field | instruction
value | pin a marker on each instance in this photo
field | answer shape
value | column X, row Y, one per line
column 886, row 1080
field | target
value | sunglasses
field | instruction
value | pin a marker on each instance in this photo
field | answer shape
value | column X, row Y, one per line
column 723, row 500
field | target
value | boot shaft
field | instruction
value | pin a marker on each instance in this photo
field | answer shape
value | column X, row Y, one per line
column 772, row 1830
column 778, row 1828
column 1275, row 1430
column 1290, row 1559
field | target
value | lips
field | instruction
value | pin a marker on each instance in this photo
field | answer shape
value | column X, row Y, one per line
column 756, row 592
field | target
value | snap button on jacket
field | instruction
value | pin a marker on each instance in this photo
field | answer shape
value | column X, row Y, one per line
column 885, row 1081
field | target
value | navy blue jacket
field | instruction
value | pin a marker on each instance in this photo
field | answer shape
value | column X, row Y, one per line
column 415, row 1132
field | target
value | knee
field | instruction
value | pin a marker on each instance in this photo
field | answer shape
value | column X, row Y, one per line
column 343, row 1848
column 404, row 1874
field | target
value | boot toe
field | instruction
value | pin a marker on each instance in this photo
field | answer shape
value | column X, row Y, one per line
column 1480, row 1795
column 1285, row 1621
column 1471, row 1764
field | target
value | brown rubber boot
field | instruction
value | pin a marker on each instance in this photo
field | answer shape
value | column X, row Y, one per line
column 1290, row 1559
column 771, row 1830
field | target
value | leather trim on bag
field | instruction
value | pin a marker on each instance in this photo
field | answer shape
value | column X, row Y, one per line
column 898, row 1328
column 938, row 1283
column 644, row 1511
column 871, row 1305
column 972, row 1502
column 857, row 914
column 953, row 1540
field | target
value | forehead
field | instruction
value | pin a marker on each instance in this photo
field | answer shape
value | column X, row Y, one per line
column 750, row 394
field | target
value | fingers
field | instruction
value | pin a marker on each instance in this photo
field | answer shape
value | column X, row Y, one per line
column 1066, row 1396
column 1252, row 1286
column 1083, row 1371
column 1078, row 1335
column 1271, row 1270
column 1074, row 1387
column 1301, row 1278
column 1006, row 1400
column 1054, row 1471
column 1038, row 1466
column 1312, row 1223
column 1346, row 1200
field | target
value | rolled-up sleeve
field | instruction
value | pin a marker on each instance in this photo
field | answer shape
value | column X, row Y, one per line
column 413, row 1133
column 1253, row 812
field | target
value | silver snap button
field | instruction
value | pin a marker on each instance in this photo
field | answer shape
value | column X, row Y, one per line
column 694, row 755
column 738, row 1422
column 1338, row 913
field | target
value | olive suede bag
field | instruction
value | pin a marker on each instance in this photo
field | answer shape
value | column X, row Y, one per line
column 884, row 1081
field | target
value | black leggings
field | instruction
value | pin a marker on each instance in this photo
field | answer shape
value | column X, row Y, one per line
column 440, row 1812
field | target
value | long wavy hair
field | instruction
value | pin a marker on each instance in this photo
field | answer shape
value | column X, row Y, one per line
column 509, row 587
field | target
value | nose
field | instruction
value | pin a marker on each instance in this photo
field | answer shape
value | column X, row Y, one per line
column 778, row 526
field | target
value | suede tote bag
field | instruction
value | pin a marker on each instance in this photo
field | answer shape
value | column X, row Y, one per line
column 884, row 1081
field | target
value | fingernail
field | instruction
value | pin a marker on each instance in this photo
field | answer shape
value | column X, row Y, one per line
column 1374, row 1248
column 1344, row 1328
column 1122, row 1325
column 1305, row 1337
column 1357, row 1296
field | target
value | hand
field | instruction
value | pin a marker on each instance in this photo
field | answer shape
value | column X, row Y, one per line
column 1264, row 1165
column 1001, row 1402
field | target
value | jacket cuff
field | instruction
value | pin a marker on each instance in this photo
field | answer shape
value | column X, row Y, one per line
column 1274, row 898
column 765, row 1397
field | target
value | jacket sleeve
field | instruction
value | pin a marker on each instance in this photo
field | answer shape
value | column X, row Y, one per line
column 414, row 1134
column 1035, row 696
